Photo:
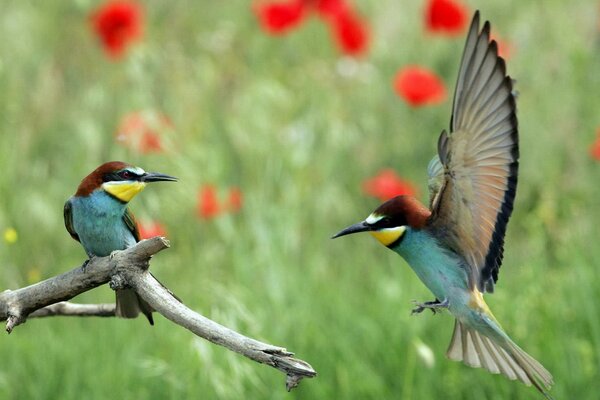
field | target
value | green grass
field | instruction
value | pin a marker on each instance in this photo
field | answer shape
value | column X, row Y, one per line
column 276, row 118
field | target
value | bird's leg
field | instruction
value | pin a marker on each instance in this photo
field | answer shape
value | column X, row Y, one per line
column 432, row 305
column 85, row 264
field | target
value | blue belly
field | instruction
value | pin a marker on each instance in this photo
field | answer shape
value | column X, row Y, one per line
column 439, row 269
column 98, row 221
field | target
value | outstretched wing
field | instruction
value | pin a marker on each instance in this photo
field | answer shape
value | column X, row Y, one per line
column 68, row 216
column 473, row 201
column 435, row 171
column 131, row 223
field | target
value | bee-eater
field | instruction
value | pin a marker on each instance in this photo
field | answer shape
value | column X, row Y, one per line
column 455, row 246
column 97, row 216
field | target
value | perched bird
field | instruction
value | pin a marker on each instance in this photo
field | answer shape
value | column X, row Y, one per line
column 455, row 246
column 97, row 216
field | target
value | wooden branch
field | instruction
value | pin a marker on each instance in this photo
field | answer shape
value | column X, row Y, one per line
column 129, row 268
column 67, row 309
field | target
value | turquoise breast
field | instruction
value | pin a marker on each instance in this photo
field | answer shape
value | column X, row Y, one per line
column 439, row 269
column 98, row 221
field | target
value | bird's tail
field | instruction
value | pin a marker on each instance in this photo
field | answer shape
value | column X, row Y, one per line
column 129, row 305
column 493, row 350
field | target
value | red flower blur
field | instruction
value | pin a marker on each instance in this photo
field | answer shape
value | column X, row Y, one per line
column 348, row 29
column 141, row 131
column 234, row 202
column 350, row 32
column 387, row 184
column 279, row 17
column 595, row 147
column 150, row 229
column 419, row 86
column 331, row 8
column 118, row 24
column 447, row 17
column 209, row 205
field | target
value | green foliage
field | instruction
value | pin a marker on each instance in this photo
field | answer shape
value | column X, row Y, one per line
column 297, row 128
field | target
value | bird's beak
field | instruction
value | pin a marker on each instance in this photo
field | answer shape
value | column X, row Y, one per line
column 360, row 227
column 157, row 177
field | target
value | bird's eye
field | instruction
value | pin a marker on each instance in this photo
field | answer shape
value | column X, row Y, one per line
column 126, row 174
column 385, row 222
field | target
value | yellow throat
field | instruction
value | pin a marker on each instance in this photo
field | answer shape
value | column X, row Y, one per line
column 124, row 190
column 388, row 236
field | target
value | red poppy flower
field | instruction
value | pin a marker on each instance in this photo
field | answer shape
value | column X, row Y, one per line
column 350, row 32
column 142, row 131
column 150, row 229
column 348, row 29
column 150, row 143
column 208, row 204
column 235, row 199
column 278, row 18
column 445, row 17
column 118, row 24
column 419, row 86
column 595, row 148
column 331, row 8
column 387, row 184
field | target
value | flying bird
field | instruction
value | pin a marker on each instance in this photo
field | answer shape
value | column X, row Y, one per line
column 455, row 245
column 97, row 216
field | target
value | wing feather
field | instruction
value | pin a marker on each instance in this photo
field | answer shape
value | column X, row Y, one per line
column 68, row 217
column 132, row 224
column 435, row 171
column 473, row 179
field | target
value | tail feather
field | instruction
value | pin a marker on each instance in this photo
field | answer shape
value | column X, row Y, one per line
column 502, row 365
column 497, row 356
column 486, row 355
column 129, row 305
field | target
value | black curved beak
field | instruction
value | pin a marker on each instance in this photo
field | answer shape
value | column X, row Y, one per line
column 157, row 177
column 360, row 227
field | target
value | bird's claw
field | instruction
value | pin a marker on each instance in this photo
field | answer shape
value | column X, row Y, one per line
column 434, row 306
column 112, row 254
column 85, row 264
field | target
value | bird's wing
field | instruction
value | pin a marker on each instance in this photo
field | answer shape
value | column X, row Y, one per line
column 68, row 216
column 471, row 205
column 131, row 223
column 435, row 171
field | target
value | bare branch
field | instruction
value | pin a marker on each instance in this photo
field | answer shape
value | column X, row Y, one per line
column 66, row 309
column 129, row 268
column 16, row 305
column 159, row 298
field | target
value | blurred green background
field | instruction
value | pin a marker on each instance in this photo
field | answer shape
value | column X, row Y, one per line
column 297, row 127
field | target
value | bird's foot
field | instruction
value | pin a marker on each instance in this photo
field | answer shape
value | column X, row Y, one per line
column 113, row 254
column 434, row 306
column 117, row 282
column 85, row 264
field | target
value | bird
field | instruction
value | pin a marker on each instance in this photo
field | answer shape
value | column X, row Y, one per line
column 98, row 217
column 455, row 246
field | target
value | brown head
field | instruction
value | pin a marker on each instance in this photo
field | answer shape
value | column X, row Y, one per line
column 390, row 220
column 121, row 180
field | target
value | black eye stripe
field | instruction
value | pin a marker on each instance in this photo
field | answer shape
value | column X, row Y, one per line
column 390, row 222
column 124, row 175
column 111, row 176
column 383, row 223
